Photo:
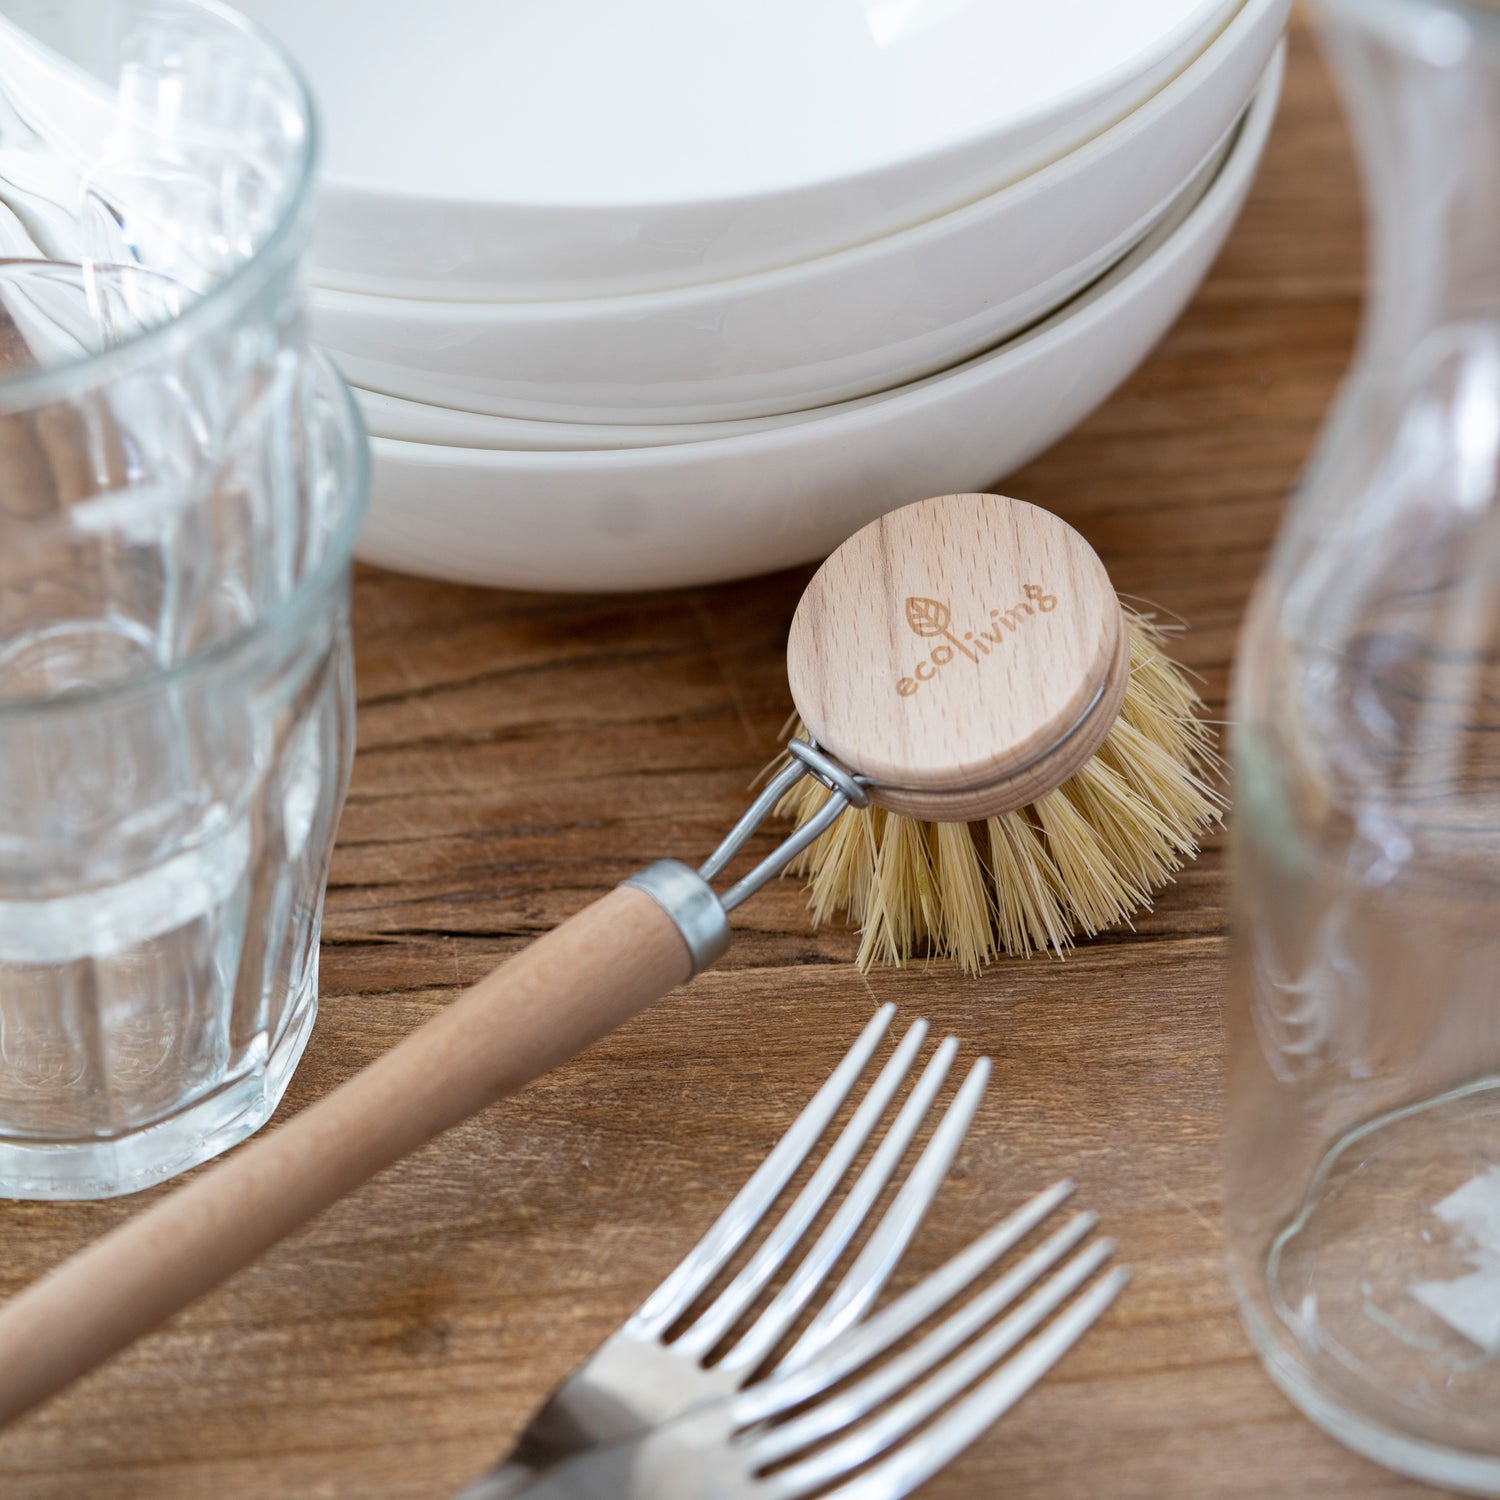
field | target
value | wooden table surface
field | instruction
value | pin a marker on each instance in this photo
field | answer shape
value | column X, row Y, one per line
column 518, row 756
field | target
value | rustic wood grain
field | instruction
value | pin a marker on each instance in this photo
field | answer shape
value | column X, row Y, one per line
column 521, row 754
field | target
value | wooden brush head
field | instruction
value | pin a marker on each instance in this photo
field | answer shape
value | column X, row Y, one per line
column 967, row 653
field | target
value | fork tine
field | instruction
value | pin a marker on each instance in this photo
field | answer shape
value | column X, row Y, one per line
column 918, row 1459
column 768, row 1328
column 702, row 1263
column 872, row 1338
column 850, row 1406
column 782, row 1240
column 883, row 1250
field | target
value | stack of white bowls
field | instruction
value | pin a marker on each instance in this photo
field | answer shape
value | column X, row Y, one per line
column 670, row 291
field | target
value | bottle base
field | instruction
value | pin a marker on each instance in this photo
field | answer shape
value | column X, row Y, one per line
column 1377, row 1308
column 84, row 1170
column 1432, row 1463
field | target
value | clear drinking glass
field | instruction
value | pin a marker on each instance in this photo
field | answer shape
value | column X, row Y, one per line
column 1362, row 1189
column 180, row 482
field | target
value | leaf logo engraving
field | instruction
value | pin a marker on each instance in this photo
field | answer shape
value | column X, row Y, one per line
column 927, row 617
column 931, row 617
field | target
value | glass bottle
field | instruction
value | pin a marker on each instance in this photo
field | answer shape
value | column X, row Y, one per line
column 1362, row 1187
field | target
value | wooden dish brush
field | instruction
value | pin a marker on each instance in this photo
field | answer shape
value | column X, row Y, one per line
column 1031, row 682
column 958, row 661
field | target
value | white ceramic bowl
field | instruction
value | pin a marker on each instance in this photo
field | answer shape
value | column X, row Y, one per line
column 416, row 422
column 589, row 147
column 883, row 314
column 419, row 422
column 700, row 512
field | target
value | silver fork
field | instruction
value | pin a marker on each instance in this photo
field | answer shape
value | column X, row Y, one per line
column 724, row 1450
column 641, row 1377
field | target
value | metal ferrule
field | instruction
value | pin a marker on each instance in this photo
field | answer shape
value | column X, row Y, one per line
column 701, row 914
column 690, row 901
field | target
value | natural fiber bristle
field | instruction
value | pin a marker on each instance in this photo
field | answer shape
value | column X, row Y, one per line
column 1085, row 857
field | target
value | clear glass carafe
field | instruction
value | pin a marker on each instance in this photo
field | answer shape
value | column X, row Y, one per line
column 1362, row 1190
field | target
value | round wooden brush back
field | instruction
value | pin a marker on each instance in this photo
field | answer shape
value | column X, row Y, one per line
column 967, row 653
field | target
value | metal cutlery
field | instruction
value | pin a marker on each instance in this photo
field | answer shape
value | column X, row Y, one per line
column 727, row 1450
column 639, row 1394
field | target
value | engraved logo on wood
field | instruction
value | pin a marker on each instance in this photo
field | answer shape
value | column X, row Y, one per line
column 933, row 620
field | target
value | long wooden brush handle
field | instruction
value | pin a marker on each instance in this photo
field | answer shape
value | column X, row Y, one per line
column 550, row 1001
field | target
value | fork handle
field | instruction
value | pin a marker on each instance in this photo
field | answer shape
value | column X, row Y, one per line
column 550, row 1001
column 604, row 1473
column 507, row 1482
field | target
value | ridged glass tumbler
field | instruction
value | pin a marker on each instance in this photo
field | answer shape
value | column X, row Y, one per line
column 180, row 482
